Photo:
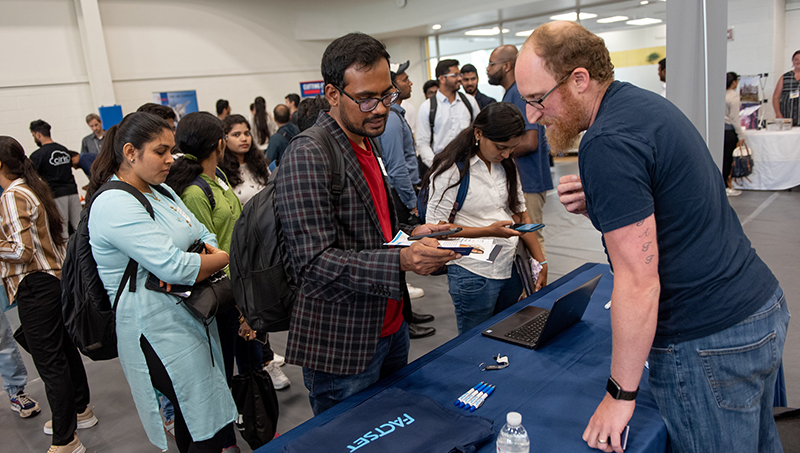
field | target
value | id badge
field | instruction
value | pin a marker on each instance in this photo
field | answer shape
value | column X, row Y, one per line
column 383, row 169
column 794, row 94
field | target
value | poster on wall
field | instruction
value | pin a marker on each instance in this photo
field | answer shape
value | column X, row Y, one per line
column 313, row 88
column 748, row 88
column 182, row 102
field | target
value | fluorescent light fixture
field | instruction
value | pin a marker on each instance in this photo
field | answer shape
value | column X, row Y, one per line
column 436, row 26
column 485, row 31
column 609, row 20
column 573, row 16
column 644, row 21
column 523, row 33
column 644, row 2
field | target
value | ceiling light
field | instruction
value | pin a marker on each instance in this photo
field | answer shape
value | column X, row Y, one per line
column 644, row 2
column 644, row 21
column 608, row 20
column 485, row 31
column 437, row 26
column 523, row 33
column 573, row 16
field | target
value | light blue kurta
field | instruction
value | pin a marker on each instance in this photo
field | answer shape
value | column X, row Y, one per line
column 119, row 228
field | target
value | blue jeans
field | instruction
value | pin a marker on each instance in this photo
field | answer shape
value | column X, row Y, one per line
column 477, row 298
column 326, row 390
column 716, row 393
column 12, row 369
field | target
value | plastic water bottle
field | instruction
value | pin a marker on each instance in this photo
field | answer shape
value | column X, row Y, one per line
column 513, row 438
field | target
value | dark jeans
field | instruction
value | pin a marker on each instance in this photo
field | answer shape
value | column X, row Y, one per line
column 55, row 356
column 326, row 390
column 163, row 383
column 727, row 153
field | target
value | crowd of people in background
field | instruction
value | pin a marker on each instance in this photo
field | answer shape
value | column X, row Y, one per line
column 198, row 173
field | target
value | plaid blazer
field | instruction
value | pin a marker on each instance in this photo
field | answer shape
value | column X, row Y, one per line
column 346, row 274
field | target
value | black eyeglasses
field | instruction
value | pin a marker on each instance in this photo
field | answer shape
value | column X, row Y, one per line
column 537, row 104
column 369, row 104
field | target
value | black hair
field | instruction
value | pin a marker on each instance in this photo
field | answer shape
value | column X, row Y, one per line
column 444, row 66
column 41, row 127
column 17, row 165
column 730, row 78
column 429, row 84
column 136, row 128
column 198, row 135
column 352, row 49
column 499, row 122
column 281, row 113
column 254, row 158
column 468, row 68
column 308, row 111
column 260, row 120
column 293, row 97
column 222, row 104
column 162, row 111
column 662, row 64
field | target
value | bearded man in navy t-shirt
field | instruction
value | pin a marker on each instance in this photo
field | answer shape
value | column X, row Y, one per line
column 691, row 296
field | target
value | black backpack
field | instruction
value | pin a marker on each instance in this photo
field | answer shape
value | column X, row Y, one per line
column 263, row 283
column 206, row 188
column 89, row 316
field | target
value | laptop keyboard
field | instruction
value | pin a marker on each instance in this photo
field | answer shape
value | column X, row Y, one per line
column 530, row 331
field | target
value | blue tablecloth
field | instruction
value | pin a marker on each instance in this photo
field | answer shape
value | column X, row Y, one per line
column 556, row 389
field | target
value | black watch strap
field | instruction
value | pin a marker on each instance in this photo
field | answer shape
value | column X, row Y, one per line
column 616, row 392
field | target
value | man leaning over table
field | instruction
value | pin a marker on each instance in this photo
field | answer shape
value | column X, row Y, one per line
column 691, row 296
column 349, row 324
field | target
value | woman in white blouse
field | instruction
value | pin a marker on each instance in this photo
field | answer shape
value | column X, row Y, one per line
column 734, row 136
column 494, row 201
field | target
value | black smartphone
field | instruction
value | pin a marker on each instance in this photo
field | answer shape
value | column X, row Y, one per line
column 435, row 235
column 526, row 227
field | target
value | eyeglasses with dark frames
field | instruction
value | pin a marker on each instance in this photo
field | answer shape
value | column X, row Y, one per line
column 370, row 104
column 537, row 104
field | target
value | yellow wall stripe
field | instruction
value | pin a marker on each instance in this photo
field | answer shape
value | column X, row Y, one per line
column 638, row 57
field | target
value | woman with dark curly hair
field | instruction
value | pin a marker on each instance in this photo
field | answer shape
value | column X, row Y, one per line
column 243, row 163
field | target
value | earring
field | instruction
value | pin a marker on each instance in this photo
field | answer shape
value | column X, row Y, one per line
column 477, row 143
column 131, row 160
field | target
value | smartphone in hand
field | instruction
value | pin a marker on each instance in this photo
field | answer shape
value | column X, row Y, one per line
column 436, row 234
column 526, row 227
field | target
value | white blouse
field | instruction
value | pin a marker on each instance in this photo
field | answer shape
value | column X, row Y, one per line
column 249, row 186
column 486, row 203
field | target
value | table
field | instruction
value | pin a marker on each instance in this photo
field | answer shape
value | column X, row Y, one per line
column 776, row 155
column 556, row 389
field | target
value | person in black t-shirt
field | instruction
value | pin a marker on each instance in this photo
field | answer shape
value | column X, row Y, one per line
column 54, row 164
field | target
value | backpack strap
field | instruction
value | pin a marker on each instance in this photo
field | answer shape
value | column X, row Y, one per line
column 432, row 115
column 206, row 188
column 463, row 187
column 331, row 146
column 130, row 271
column 468, row 104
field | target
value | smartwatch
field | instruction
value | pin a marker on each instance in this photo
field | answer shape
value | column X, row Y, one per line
column 617, row 393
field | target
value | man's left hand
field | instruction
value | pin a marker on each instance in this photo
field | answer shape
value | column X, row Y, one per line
column 609, row 421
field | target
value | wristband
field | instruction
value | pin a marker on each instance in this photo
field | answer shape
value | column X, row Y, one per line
column 543, row 263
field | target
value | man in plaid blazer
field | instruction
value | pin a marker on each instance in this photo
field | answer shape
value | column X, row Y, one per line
column 349, row 325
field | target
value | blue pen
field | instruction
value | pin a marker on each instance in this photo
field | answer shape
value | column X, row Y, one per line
column 460, row 402
column 477, row 391
column 467, row 393
column 475, row 397
column 480, row 403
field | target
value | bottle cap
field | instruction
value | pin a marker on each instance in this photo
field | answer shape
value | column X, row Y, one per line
column 514, row 418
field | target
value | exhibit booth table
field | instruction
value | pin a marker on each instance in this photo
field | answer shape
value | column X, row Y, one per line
column 556, row 388
column 776, row 158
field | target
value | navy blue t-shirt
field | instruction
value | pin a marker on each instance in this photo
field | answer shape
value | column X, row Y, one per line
column 534, row 169
column 635, row 163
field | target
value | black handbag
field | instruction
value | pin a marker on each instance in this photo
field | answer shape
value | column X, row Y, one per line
column 742, row 162
column 257, row 404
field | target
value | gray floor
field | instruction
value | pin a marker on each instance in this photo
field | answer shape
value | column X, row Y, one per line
column 770, row 220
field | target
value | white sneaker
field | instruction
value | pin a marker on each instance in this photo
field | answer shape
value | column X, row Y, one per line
column 279, row 380
column 86, row 419
column 278, row 360
column 732, row 192
column 414, row 292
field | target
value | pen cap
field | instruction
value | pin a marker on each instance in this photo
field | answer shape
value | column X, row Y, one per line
column 514, row 418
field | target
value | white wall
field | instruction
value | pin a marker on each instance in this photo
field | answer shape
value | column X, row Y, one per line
column 639, row 38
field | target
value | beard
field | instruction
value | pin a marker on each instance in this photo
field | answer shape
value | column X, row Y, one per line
column 562, row 132
column 38, row 143
column 496, row 78
column 363, row 129
column 471, row 90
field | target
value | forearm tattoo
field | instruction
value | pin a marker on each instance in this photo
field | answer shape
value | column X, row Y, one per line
column 646, row 245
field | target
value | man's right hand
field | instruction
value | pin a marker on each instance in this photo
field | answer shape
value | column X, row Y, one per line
column 424, row 257
column 570, row 194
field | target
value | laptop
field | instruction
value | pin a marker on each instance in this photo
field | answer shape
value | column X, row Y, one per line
column 533, row 327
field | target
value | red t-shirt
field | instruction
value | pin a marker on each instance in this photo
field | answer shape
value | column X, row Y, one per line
column 372, row 173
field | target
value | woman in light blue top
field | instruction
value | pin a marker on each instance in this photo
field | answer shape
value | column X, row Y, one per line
column 161, row 344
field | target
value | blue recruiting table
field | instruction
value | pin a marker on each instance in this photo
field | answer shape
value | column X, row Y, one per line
column 556, row 389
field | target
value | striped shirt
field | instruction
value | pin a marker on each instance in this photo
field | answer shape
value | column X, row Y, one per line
column 26, row 245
